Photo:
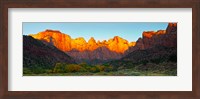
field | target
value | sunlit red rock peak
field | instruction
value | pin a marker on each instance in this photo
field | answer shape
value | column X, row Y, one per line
column 65, row 43
column 149, row 34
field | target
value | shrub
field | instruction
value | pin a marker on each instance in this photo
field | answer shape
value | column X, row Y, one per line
column 101, row 68
column 108, row 64
column 72, row 68
column 83, row 70
column 49, row 71
column 26, row 71
column 59, row 68
column 108, row 69
column 94, row 69
column 120, row 68
column 83, row 64
column 37, row 70
column 173, row 58
column 144, row 62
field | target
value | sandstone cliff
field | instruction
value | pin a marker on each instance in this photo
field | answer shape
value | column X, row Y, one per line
column 65, row 43
column 166, row 38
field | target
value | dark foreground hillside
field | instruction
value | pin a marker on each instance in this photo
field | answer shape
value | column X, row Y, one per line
column 38, row 55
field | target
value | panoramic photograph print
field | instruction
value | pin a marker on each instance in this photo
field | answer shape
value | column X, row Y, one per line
column 99, row 48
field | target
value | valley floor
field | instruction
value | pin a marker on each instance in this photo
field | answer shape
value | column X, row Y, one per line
column 125, row 72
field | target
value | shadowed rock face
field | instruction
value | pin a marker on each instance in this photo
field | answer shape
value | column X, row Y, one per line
column 166, row 38
column 101, row 53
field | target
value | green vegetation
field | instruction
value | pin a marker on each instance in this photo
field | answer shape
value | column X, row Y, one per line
column 143, row 69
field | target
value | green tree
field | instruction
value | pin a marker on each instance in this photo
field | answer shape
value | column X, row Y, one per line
column 48, row 71
column 101, row 68
column 26, row 71
column 108, row 68
column 37, row 70
column 94, row 69
column 72, row 68
column 59, row 68
column 83, row 64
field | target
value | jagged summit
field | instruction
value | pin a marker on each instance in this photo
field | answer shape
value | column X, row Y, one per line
column 65, row 43
column 55, row 31
column 92, row 40
column 166, row 38
column 149, row 34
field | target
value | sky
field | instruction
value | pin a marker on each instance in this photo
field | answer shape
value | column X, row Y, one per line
column 130, row 31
